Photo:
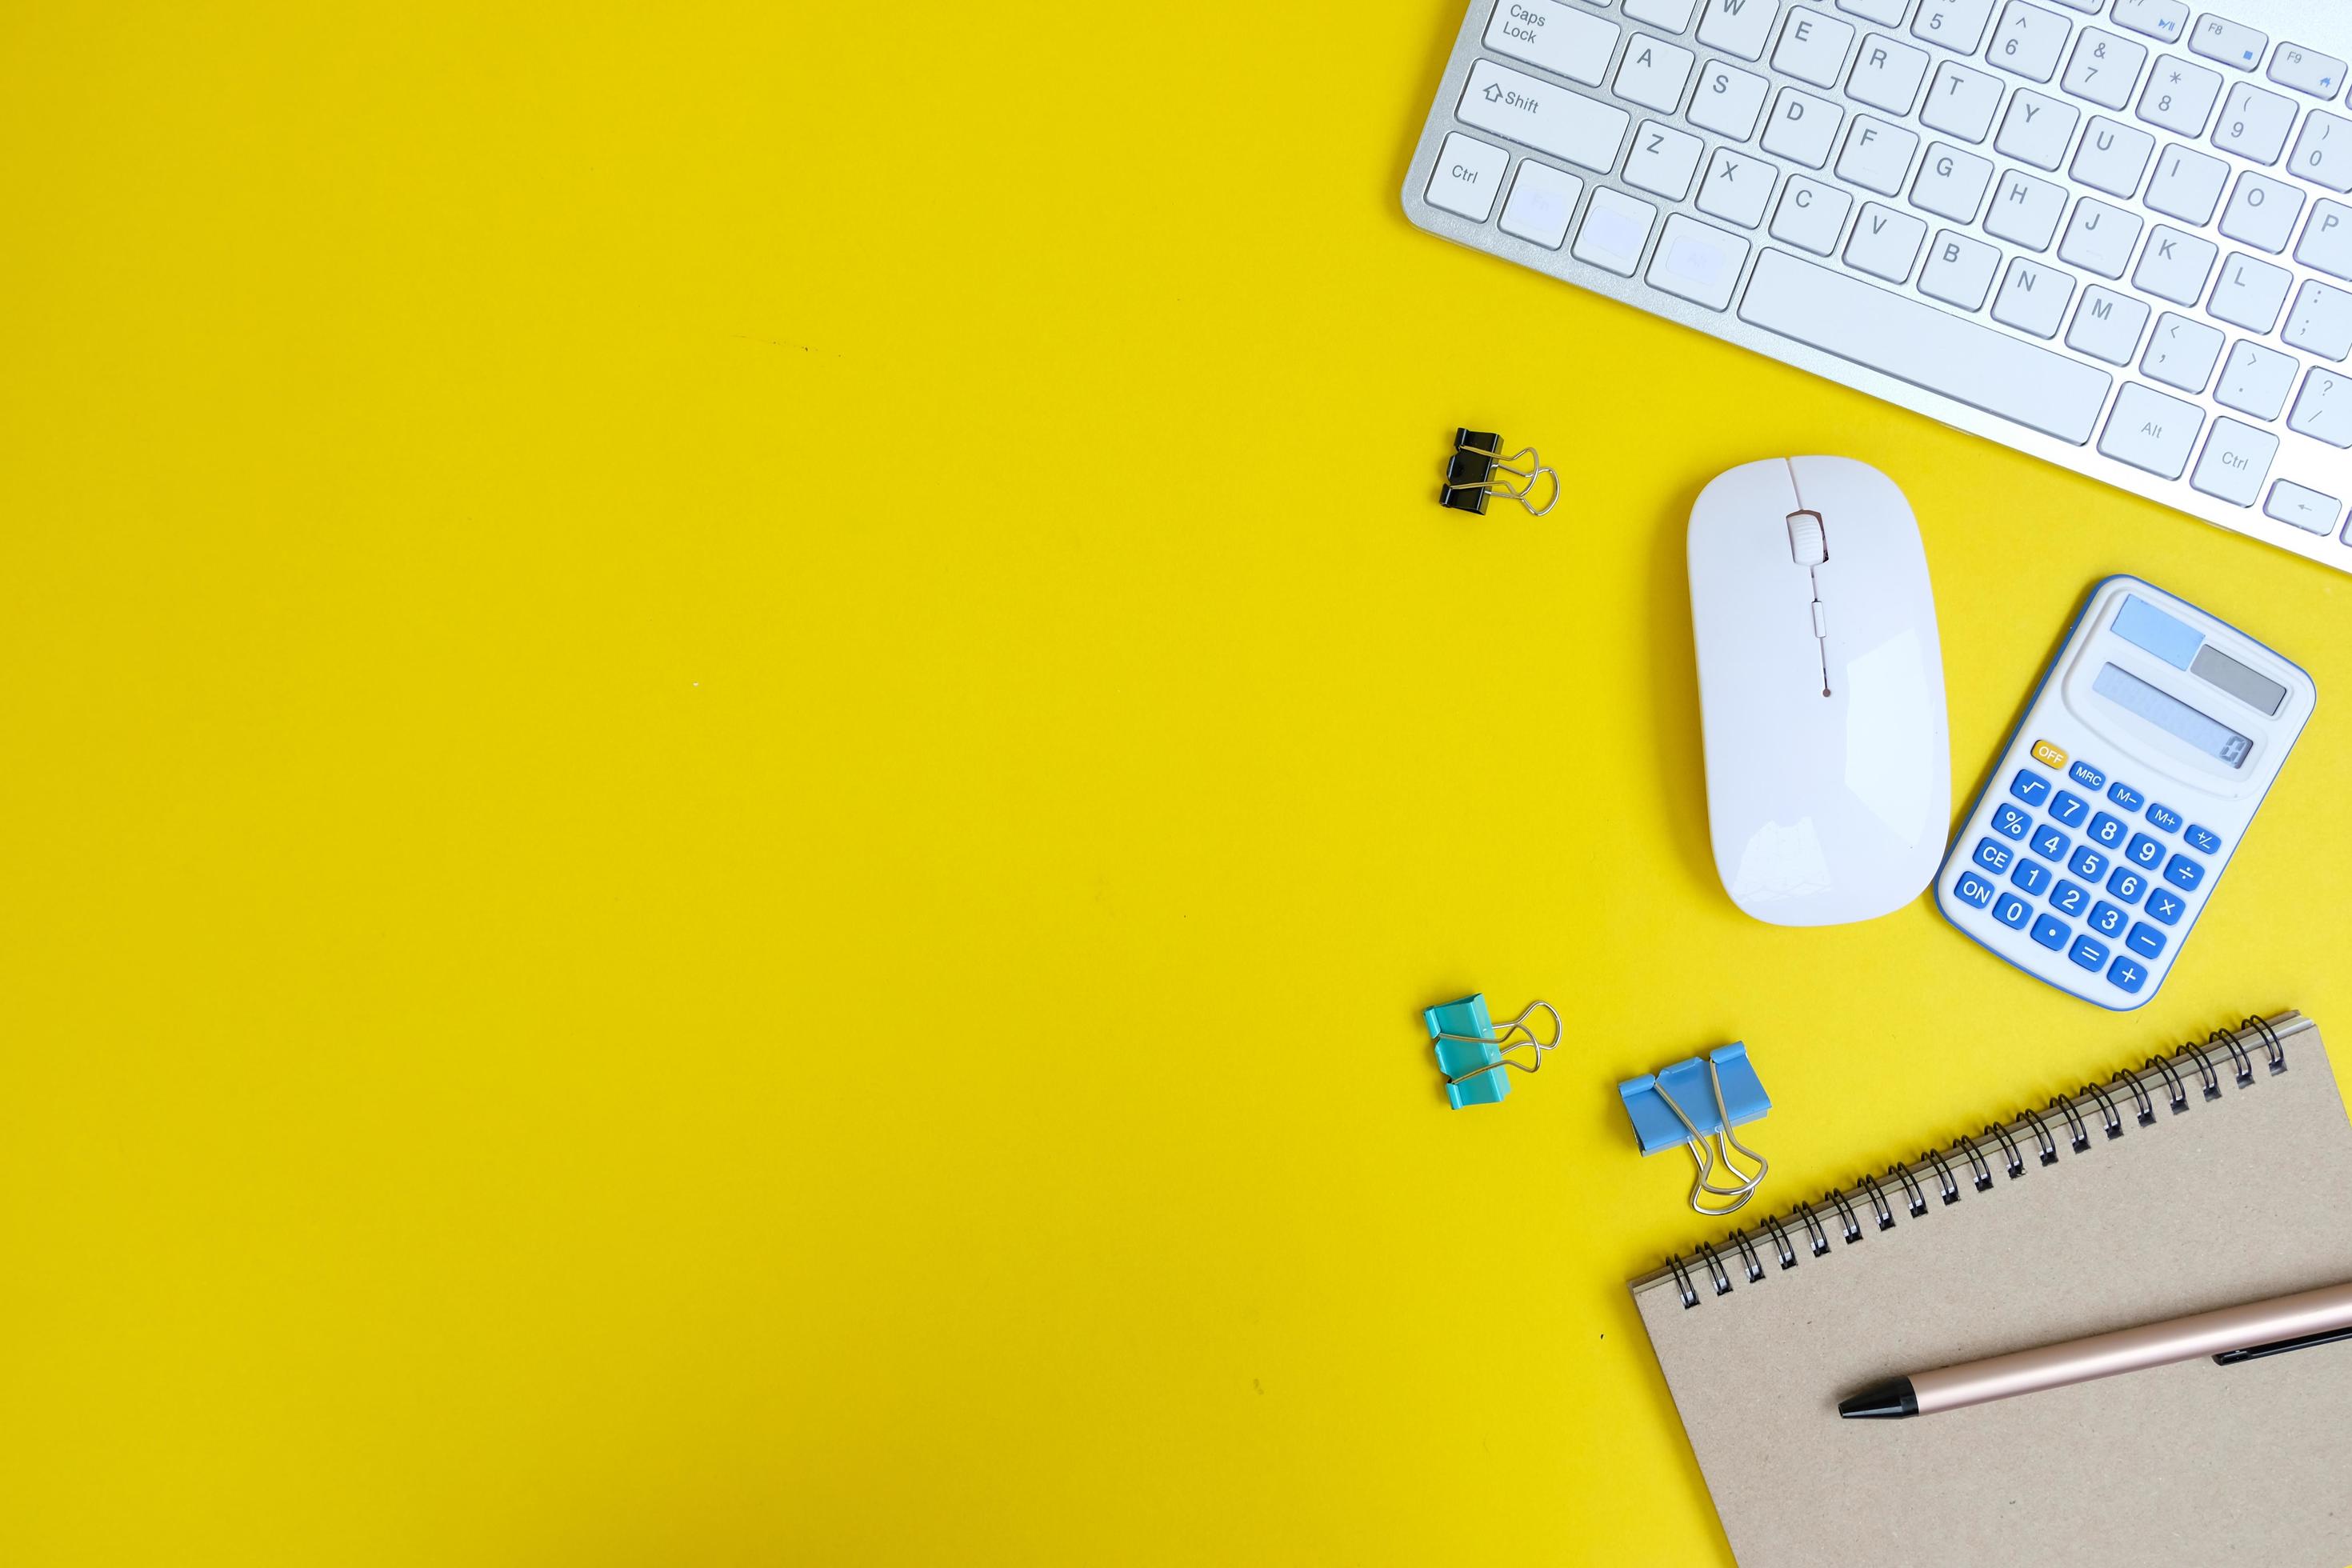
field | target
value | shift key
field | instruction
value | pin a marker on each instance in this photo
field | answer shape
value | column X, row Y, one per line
column 1553, row 119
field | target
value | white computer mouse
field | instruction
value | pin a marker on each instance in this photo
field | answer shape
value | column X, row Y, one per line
column 1821, row 682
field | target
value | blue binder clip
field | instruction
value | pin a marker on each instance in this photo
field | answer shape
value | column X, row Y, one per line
column 1472, row 1052
column 1693, row 1102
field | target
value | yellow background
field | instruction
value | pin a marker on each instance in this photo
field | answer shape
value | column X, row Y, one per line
column 739, row 739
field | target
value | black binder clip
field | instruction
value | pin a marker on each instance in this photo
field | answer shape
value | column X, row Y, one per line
column 1478, row 470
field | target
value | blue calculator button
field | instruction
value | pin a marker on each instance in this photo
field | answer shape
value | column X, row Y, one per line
column 1993, row 855
column 2167, row 906
column 2146, row 853
column 2106, row 832
column 2086, row 775
column 2127, row 884
column 2088, row 863
column 2106, row 920
column 2010, row 823
column 2068, row 807
column 2030, row 786
column 2204, row 839
column 2180, row 871
column 2051, row 932
column 2088, row 953
column 2049, row 842
column 2126, row 975
column 2031, row 875
column 2124, row 795
column 2144, row 939
column 2164, row 818
column 2013, row 911
column 2068, row 898
column 1973, row 890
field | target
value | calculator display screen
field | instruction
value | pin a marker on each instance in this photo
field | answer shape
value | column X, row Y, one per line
column 2168, row 713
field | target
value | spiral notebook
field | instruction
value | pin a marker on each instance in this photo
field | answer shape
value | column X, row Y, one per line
column 2218, row 1174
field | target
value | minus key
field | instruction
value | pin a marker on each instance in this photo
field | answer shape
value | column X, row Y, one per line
column 2307, row 509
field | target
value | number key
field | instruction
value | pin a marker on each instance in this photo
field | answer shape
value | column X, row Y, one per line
column 2088, row 863
column 2068, row 807
column 2013, row 911
column 2012, row 823
column 1972, row 890
column 2106, row 831
column 2052, row 933
column 2105, row 919
column 2180, row 871
column 2068, row 898
column 1954, row 25
column 2166, row 907
column 2127, row 884
column 2144, row 852
column 2164, row 818
column 2144, row 939
column 2323, row 153
column 2204, row 840
column 2031, row 875
column 2124, row 795
column 2030, row 786
column 2050, row 844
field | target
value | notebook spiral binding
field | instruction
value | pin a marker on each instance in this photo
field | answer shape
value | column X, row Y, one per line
column 2070, row 1118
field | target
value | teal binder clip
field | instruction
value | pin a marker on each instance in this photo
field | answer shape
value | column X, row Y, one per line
column 1695, row 1100
column 1472, row 1052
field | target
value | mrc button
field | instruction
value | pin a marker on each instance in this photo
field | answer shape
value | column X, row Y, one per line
column 2086, row 775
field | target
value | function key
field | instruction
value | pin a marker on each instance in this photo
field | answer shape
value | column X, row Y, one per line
column 2050, row 844
column 1973, row 890
column 2144, row 939
column 2032, row 876
column 2126, row 975
column 2086, row 775
column 2090, row 955
column 2204, row 839
column 2051, row 932
column 2048, row 756
column 2144, row 852
column 2164, row 818
column 2127, row 884
column 2010, row 823
column 2068, row 808
column 2180, row 871
column 2088, row 863
column 2307, row 71
column 2106, row 920
column 2232, row 43
column 1994, row 855
column 2030, row 786
column 2106, row 831
column 2013, row 911
column 2124, row 795
column 2163, row 20
column 2166, row 906
column 2068, row 898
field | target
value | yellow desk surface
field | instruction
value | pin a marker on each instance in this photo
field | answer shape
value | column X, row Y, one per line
column 740, row 739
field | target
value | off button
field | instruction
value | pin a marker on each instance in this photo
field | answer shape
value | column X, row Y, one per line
column 1469, row 172
column 2048, row 756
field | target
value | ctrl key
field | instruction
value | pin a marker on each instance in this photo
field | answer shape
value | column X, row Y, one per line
column 1468, row 174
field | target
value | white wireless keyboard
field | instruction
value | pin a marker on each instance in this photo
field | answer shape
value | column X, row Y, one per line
column 2115, row 234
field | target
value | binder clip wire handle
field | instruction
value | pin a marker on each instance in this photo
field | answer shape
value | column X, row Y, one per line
column 1744, row 1186
column 1504, row 1045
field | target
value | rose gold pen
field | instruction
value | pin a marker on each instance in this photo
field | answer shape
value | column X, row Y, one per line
column 2229, row 1335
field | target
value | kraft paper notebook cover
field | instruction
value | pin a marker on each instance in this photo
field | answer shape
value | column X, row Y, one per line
column 2145, row 1213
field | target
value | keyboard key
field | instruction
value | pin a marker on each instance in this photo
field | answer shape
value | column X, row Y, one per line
column 2204, row 840
column 2124, row 795
column 2182, row 352
column 1698, row 262
column 2070, row 808
column 2051, row 843
column 2307, row 509
column 2320, row 320
column 1663, row 160
column 2250, row 293
column 1802, row 127
column 1993, row 855
column 2088, row 952
column 1813, row 47
column 2322, row 153
column 2032, row 298
column 2069, row 899
column 1951, row 183
column 2261, row 212
column 2145, row 851
column 1887, row 12
column 1468, row 174
column 2126, row 975
column 2232, row 43
column 2323, row 409
column 1972, row 890
column 2327, row 240
column 2157, row 18
column 2104, row 68
column 1728, row 101
column 2256, row 380
column 2174, row 266
column 2179, row 96
column 2180, row 871
column 2105, row 919
column 2254, row 124
column 1564, row 40
column 2166, row 907
column 2010, row 823
column 1542, row 201
column 1960, row 270
column 1567, row 125
column 2025, row 211
column 2105, row 831
column 2099, row 238
column 2029, row 786
column 2237, row 460
column 1655, row 72
column 2127, row 884
column 2052, row 933
column 2150, row 431
column 1616, row 229
column 1738, row 26
column 1877, row 155
column 2027, row 41
column 1961, row 102
column 2144, row 939
column 2029, row 876
column 2112, row 158
column 2164, row 818
column 2188, row 185
column 1673, row 16
column 1737, row 188
column 2088, row 863
column 1925, row 346
column 1954, row 25
column 1811, row 215
column 2013, row 911
column 2036, row 130
column 2107, row 326
column 2307, row 71
column 1886, row 75
column 1886, row 242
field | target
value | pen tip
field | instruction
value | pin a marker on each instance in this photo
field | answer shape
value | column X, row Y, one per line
column 1881, row 1402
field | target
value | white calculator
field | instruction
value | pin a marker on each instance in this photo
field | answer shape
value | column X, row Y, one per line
column 2122, row 794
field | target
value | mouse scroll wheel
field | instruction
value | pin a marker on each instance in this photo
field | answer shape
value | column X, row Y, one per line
column 1806, row 540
